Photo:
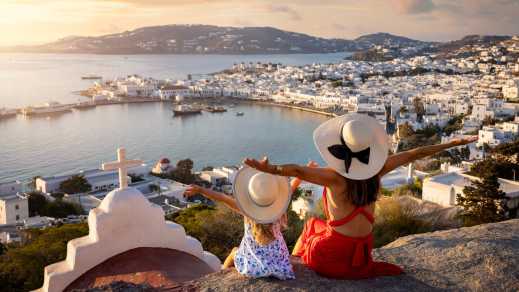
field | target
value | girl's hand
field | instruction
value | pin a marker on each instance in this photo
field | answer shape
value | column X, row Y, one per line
column 312, row 164
column 464, row 141
column 261, row 165
column 193, row 190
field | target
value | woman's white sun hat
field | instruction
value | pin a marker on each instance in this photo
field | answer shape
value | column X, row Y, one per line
column 354, row 145
column 261, row 196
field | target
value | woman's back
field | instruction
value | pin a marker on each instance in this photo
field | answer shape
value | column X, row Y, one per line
column 340, row 207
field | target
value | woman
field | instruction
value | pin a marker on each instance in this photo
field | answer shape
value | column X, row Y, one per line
column 355, row 148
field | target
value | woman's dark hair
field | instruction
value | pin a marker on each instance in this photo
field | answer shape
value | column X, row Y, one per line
column 362, row 192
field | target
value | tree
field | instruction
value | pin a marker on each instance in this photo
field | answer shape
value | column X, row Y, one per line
column 136, row 178
column 419, row 109
column 61, row 209
column 183, row 173
column 499, row 167
column 465, row 153
column 488, row 120
column 36, row 202
column 75, row 184
column 507, row 149
column 482, row 202
column 454, row 124
column 3, row 249
column 40, row 206
column 405, row 130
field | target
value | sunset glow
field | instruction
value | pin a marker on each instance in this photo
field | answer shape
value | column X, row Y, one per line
column 39, row 21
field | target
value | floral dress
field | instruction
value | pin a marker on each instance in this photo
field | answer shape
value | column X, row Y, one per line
column 256, row 261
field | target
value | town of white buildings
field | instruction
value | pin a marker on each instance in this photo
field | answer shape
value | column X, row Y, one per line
column 481, row 87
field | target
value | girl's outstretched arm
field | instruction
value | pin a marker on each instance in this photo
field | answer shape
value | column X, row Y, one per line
column 317, row 175
column 406, row 157
column 213, row 195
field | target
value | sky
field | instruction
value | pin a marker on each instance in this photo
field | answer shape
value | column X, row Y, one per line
column 41, row 21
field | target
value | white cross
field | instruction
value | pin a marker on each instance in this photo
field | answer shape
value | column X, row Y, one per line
column 122, row 165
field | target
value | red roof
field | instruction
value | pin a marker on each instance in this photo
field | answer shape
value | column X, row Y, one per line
column 158, row 267
column 165, row 161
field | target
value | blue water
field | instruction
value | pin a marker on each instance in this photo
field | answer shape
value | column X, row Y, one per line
column 82, row 140
column 28, row 79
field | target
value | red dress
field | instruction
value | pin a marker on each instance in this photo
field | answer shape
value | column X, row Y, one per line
column 335, row 255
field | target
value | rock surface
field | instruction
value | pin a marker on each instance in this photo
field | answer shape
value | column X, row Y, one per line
column 479, row 258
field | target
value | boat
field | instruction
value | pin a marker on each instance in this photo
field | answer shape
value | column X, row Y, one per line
column 91, row 77
column 216, row 109
column 239, row 114
column 84, row 105
column 184, row 109
column 48, row 108
column 7, row 113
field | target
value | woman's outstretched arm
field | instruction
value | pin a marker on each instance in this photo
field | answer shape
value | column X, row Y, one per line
column 213, row 195
column 295, row 182
column 316, row 175
column 406, row 157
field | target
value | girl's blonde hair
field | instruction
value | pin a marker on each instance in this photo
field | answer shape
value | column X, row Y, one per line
column 262, row 233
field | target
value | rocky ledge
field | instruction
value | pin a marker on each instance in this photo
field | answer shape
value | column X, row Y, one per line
column 479, row 258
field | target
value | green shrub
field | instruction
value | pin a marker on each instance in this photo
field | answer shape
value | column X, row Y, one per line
column 294, row 228
column 39, row 205
column 21, row 267
column 219, row 229
column 394, row 220
column 414, row 189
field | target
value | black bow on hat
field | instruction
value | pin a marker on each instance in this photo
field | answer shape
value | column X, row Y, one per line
column 343, row 152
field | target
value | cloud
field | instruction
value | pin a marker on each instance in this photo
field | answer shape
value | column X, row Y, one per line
column 414, row 6
column 278, row 8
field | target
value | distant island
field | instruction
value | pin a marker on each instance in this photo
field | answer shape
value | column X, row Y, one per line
column 208, row 39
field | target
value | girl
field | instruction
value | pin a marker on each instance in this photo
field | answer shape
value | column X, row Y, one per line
column 263, row 251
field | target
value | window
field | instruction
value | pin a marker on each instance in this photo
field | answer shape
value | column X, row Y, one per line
column 16, row 207
column 17, row 217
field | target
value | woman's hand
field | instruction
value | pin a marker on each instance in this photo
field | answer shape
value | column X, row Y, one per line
column 261, row 165
column 464, row 141
column 193, row 190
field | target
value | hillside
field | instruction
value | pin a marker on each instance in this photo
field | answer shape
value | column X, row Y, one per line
column 196, row 39
column 207, row 39
column 386, row 39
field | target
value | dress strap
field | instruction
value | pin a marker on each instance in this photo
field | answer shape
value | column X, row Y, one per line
column 325, row 204
column 349, row 217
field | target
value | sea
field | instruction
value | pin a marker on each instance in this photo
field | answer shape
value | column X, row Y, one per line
column 82, row 140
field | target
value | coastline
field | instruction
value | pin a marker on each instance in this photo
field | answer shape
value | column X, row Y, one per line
column 210, row 101
column 295, row 107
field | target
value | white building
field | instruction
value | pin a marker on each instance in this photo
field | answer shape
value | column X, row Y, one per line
column 308, row 202
column 443, row 189
column 214, row 178
column 511, row 89
column 12, row 187
column 498, row 134
column 229, row 172
column 162, row 167
column 98, row 179
column 9, row 237
column 14, row 209
column 173, row 92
